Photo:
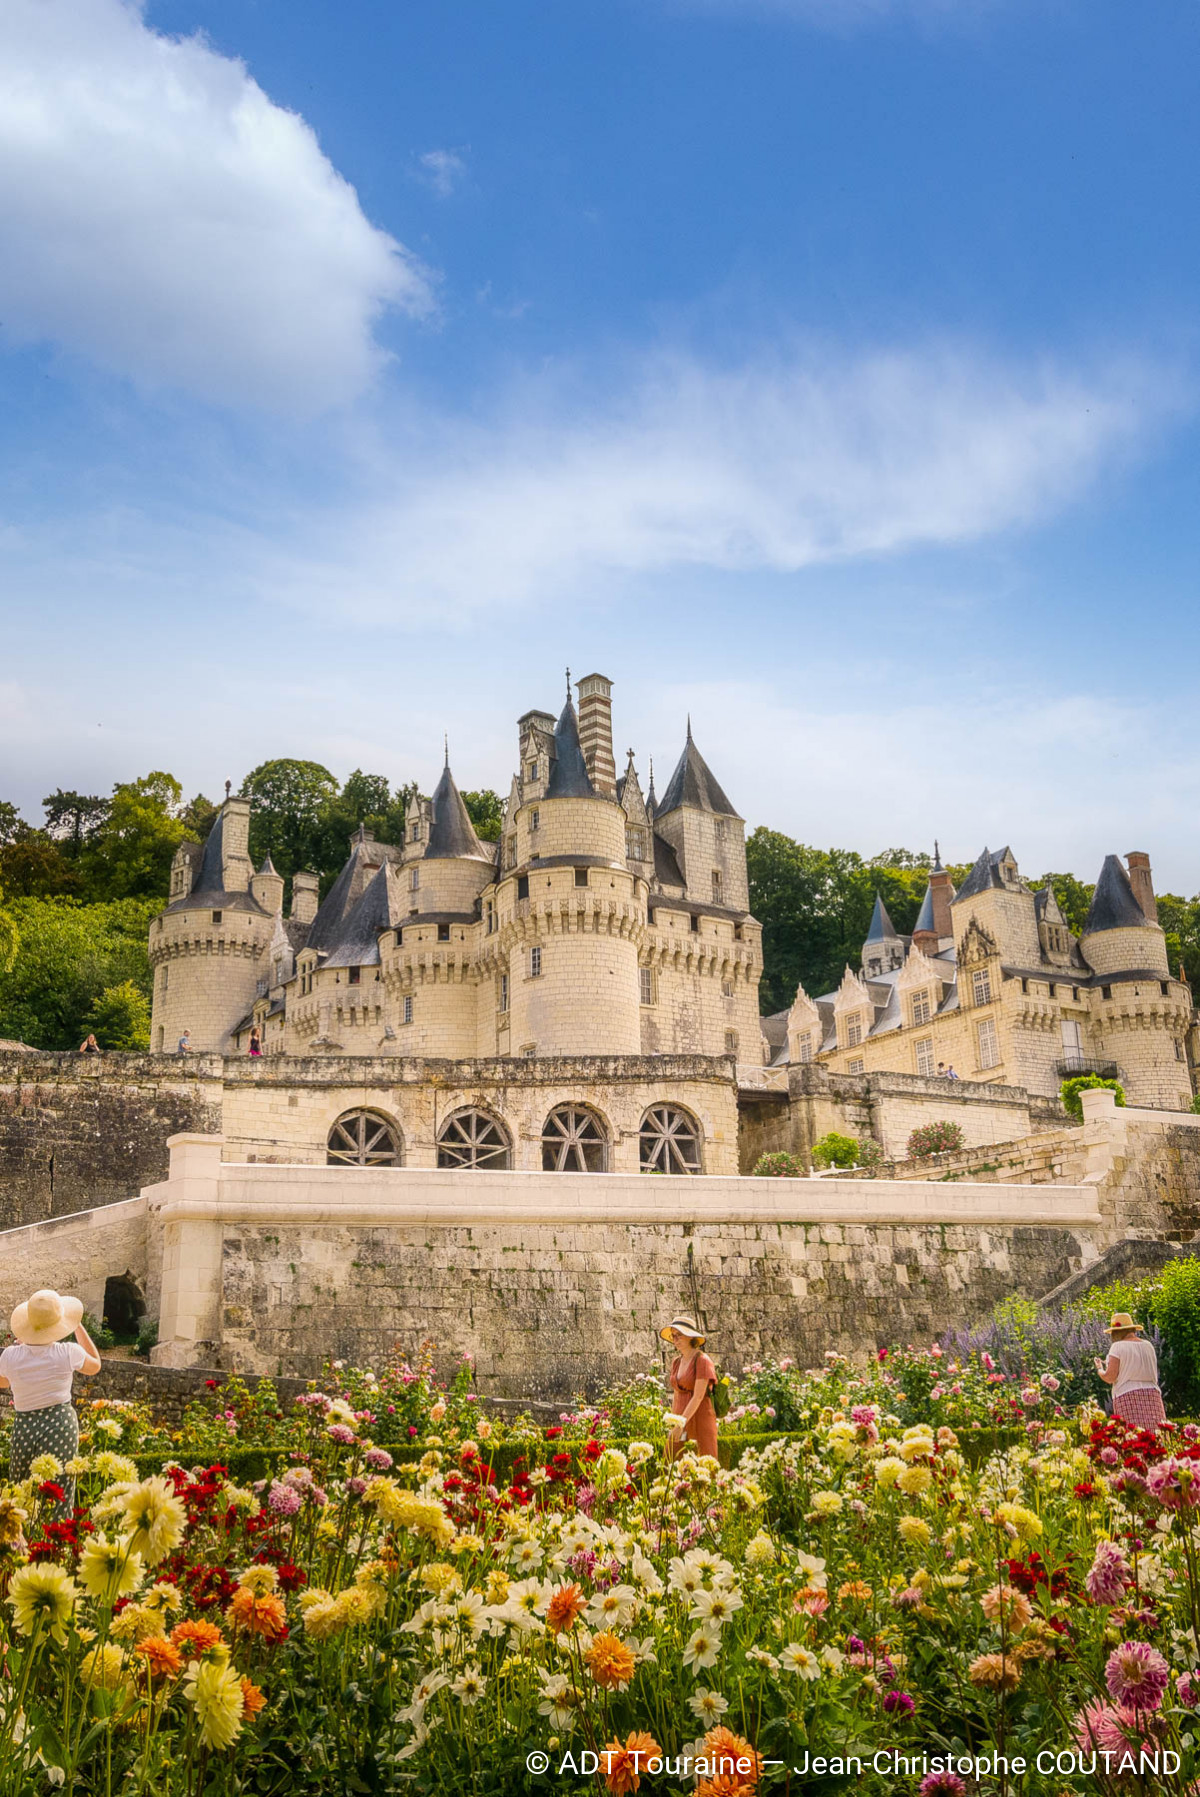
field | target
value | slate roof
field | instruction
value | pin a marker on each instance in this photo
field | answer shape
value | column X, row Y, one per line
column 983, row 877
column 925, row 914
column 666, row 863
column 882, row 928
column 452, row 834
column 568, row 774
column 357, row 942
column 693, row 784
column 1113, row 905
column 208, row 873
column 339, row 900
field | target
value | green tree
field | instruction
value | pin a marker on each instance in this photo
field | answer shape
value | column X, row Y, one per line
column 1074, row 898
column 120, row 1018
column 12, row 824
column 199, row 815
column 66, row 955
column 34, row 867
column 291, row 801
column 129, row 854
column 71, row 817
column 486, row 811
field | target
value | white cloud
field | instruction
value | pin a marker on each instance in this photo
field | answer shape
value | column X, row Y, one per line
column 781, row 464
column 441, row 170
column 162, row 217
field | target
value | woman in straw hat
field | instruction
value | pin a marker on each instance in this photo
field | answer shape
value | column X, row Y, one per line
column 692, row 1378
column 38, row 1370
column 1132, row 1371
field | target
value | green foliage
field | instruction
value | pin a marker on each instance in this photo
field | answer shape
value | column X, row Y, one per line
column 71, row 817
column 66, row 956
column 120, row 1018
column 1074, row 898
column 486, row 811
column 101, row 1336
column 779, row 1165
column 129, row 854
column 834, row 1150
column 288, row 800
column 1171, row 1303
column 934, row 1138
column 1087, row 1082
column 1103, row 1300
column 11, row 823
column 147, row 1337
column 1194, row 1107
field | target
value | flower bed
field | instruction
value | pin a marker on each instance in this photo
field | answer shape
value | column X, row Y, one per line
column 336, row 1618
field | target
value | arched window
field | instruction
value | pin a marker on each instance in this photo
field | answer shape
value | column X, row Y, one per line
column 574, row 1141
column 475, row 1140
column 363, row 1139
column 669, row 1141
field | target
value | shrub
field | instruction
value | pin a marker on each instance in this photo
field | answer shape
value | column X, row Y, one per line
column 870, row 1152
column 1194, row 1107
column 147, row 1337
column 100, row 1334
column 120, row 1018
column 779, row 1165
column 1170, row 1303
column 934, row 1138
column 1087, row 1082
column 835, row 1151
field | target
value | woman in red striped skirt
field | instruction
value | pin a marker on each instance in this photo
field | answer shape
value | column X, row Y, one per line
column 1132, row 1371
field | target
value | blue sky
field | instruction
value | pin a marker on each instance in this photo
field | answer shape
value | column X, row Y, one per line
column 827, row 368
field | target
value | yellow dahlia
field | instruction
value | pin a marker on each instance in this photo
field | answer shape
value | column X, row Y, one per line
column 156, row 1518
column 216, row 1691
column 42, row 1596
column 109, row 1569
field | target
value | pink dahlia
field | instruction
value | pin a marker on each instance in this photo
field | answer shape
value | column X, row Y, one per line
column 1110, row 1576
column 942, row 1784
column 1103, row 1728
column 1188, row 1686
column 284, row 1500
column 899, row 1702
column 1136, row 1674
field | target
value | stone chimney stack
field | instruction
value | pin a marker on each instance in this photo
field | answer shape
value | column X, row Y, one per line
column 306, row 892
column 595, row 733
column 1143, row 884
column 942, row 888
column 237, row 867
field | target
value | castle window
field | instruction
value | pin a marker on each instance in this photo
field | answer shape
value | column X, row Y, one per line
column 923, row 1053
column 646, row 985
column 414, row 880
column 726, row 988
column 533, row 770
column 731, row 1041
column 696, row 925
column 535, row 962
column 443, row 934
column 217, row 916
column 1165, row 989
column 407, row 1011
column 920, row 1007
column 166, row 978
column 354, row 976
column 981, row 986
column 1052, row 989
column 1106, row 992
column 716, row 885
column 415, row 832
column 1179, row 1054
column 573, row 1141
column 988, row 1043
column 874, row 967
column 854, row 1032
column 510, row 852
column 535, row 819
column 490, row 918
column 522, row 886
column 581, row 876
column 503, row 1005
column 635, row 845
column 669, row 1141
column 806, row 1046
column 474, row 1141
column 855, row 1066
column 363, row 1139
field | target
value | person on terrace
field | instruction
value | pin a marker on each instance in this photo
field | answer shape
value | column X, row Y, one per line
column 1132, row 1371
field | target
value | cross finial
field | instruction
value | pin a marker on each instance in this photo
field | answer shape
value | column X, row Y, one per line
column 568, row 686
column 629, row 752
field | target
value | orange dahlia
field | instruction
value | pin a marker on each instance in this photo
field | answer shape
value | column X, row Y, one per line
column 263, row 1616
column 726, row 1784
column 610, row 1662
column 732, row 1756
column 194, row 1639
column 625, row 1763
column 565, row 1608
column 252, row 1698
column 163, row 1659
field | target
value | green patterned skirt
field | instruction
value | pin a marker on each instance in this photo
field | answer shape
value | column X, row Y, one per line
column 54, row 1430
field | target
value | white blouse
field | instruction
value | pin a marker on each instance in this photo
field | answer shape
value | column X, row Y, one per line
column 41, row 1376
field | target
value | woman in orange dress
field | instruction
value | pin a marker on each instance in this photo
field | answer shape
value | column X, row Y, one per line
column 692, row 1378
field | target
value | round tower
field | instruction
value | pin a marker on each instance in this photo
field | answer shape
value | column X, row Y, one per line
column 1119, row 936
column 207, row 948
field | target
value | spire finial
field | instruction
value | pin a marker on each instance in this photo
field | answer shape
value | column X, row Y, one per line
column 568, row 686
column 689, row 734
column 629, row 753
column 937, row 857
column 228, row 786
column 446, row 746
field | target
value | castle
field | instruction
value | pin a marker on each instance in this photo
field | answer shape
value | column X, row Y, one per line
column 605, row 924
column 993, row 984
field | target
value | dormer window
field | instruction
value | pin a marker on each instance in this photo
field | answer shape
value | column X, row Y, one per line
column 981, row 986
column 854, row 1032
column 806, row 1046
column 635, row 845
column 920, row 1007
column 533, row 770
column 415, row 833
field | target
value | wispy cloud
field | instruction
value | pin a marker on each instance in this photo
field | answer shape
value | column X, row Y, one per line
column 162, row 217
column 788, row 461
column 442, row 171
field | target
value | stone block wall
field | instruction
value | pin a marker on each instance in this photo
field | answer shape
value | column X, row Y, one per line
column 80, row 1130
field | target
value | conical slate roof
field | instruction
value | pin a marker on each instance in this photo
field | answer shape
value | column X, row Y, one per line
column 983, row 877
column 268, row 867
column 1113, row 905
column 357, row 941
column 211, row 877
column 882, row 928
column 925, row 915
column 568, row 774
column 693, row 784
column 339, row 900
column 452, row 834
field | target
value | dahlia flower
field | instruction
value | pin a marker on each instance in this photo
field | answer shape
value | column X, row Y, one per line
column 216, row 1691
column 1110, row 1576
column 42, row 1594
column 1136, row 1675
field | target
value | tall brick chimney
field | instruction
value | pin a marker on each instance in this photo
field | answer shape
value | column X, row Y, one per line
column 1143, row 884
column 942, row 888
column 595, row 733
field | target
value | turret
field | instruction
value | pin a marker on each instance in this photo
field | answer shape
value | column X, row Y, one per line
column 705, row 831
column 935, row 925
column 267, row 887
column 1118, row 936
column 996, row 897
column 595, row 733
column 883, row 950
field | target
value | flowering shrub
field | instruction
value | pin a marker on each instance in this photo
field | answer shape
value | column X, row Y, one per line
column 779, row 1165
column 934, row 1138
column 354, row 1624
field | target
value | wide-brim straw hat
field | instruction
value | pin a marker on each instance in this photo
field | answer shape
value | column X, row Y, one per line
column 46, row 1317
column 686, row 1326
column 1121, row 1319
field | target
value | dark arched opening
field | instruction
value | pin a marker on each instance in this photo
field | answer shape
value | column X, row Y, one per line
column 124, row 1306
